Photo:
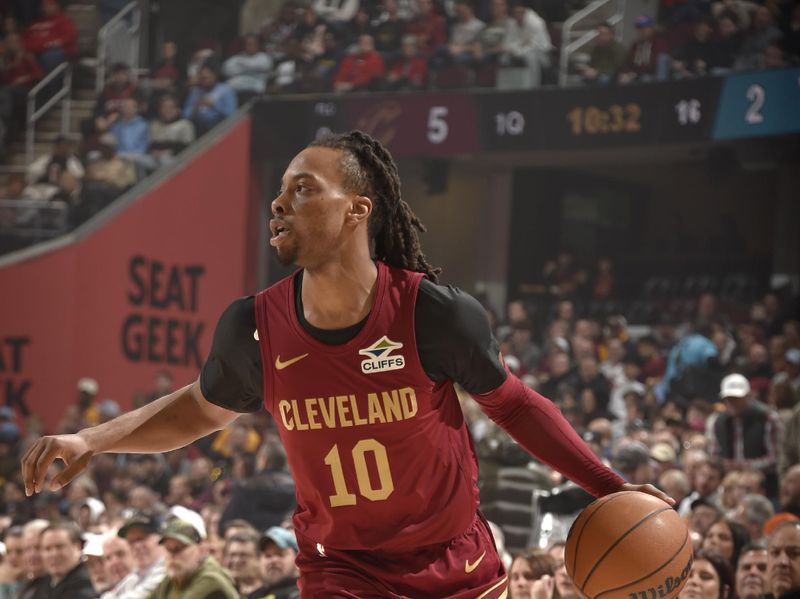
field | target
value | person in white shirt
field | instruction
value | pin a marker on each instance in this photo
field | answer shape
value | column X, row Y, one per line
column 248, row 71
column 141, row 533
column 527, row 41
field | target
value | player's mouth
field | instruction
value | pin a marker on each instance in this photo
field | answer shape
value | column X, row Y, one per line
column 279, row 231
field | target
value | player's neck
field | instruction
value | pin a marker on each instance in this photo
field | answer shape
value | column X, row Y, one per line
column 339, row 293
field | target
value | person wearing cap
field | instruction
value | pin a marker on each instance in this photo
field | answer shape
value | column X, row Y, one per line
column 663, row 458
column 67, row 575
column 141, row 533
column 746, row 435
column 191, row 572
column 647, row 57
column 278, row 552
column 87, row 392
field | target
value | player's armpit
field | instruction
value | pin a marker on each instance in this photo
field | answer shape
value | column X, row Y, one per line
column 215, row 414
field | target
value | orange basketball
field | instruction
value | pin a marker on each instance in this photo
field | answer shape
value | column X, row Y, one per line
column 628, row 545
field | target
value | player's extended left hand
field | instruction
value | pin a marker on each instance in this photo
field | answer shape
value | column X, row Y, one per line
column 650, row 490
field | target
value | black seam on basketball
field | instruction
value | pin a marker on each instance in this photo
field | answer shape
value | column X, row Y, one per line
column 580, row 534
column 685, row 540
column 619, row 540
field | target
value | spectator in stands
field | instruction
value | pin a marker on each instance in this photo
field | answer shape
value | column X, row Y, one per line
column 605, row 58
column 165, row 76
column 647, row 57
column 706, row 479
column 311, row 32
column 429, row 27
column 697, row 56
column 729, row 42
column 67, row 575
column 527, row 568
column 133, row 136
column 410, row 71
column 118, row 564
column 753, row 512
column 278, row 552
column 527, row 41
column 489, row 46
column 751, row 572
column 791, row 33
column 12, row 571
column 783, row 559
column 107, row 176
column 789, row 491
column 241, row 558
column 676, row 484
column 746, row 434
column 360, row 25
column 336, row 12
column 53, row 39
column 323, row 70
column 210, row 102
column 727, row 539
column 710, row 577
column 281, row 29
column 389, row 30
column 464, row 34
column 362, row 70
column 119, row 87
column 169, row 132
column 191, row 572
column 19, row 72
column 52, row 175
column 632, row 461
column 140, row 531
column 247, row 72
column 691, row 367
column 37, row 583
column 763, row 33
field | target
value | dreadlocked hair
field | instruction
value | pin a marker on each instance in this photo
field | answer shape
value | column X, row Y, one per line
column 393, row 227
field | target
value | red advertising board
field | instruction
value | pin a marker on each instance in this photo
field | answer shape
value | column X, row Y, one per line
column 140, row 294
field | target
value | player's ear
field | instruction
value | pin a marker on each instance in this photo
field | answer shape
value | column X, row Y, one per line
column 360, row 209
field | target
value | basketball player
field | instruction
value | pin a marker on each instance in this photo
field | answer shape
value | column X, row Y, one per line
column 355, row 356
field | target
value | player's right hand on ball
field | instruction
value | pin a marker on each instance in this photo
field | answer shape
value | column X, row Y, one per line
column 70, row 449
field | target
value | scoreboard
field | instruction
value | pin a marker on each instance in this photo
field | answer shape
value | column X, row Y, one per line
column 764, row 103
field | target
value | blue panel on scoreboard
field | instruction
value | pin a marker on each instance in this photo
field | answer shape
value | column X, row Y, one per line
column 759, row 104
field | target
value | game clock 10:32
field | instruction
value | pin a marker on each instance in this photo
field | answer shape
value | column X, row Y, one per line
column 591, row 120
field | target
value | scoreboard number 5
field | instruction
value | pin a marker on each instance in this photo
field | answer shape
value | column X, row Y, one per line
column 359, row 454
column 756, row 95
column 438, row 129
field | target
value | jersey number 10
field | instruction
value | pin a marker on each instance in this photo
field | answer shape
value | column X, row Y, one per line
column 365, row 488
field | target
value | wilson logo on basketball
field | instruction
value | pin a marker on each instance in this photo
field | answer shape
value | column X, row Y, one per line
column 671, row 583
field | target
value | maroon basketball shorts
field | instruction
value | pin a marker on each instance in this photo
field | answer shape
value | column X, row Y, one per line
column 467, row 567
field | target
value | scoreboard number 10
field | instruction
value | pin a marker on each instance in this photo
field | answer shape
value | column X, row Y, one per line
column 509, row 123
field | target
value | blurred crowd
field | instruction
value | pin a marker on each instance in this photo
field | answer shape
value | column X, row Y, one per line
column 706, row 409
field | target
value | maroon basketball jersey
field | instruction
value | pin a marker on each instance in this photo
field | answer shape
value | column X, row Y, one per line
column 380, row 454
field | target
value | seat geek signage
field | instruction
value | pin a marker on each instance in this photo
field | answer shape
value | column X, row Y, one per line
column 162, row 327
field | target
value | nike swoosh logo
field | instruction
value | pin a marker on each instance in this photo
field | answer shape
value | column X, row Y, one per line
column 470, row 567
column 281, row 365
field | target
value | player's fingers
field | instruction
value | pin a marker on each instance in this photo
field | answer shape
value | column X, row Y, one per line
column 71, row 471
column 659, row 493
column 46, row 458
column 29, row 461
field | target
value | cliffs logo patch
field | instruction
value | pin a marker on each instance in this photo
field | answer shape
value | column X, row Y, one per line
column 379, row 358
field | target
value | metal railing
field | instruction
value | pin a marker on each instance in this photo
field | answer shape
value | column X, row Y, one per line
column 570, row 46
column 31, row 219
column 64, row 70
column 118, row 41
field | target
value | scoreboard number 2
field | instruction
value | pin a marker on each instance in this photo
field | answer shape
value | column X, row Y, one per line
column 756, row 95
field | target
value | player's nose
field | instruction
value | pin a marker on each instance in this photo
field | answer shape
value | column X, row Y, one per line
column 279, row 205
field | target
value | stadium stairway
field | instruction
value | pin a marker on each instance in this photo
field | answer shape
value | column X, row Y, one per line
column 48, row 128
